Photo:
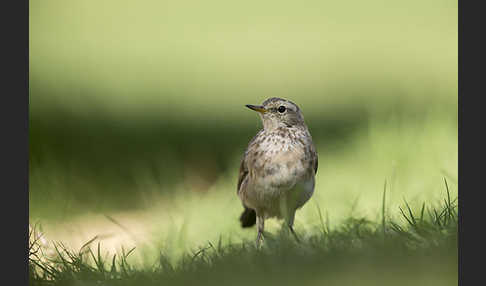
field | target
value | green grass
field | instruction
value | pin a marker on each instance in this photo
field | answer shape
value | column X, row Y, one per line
column 151, row 186
column 420, row 248
column 166, row 185
column 137, row 124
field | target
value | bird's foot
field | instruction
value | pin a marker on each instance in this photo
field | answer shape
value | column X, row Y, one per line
column 259, row 240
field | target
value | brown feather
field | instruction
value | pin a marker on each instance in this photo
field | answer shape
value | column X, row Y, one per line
column 248, row 217
column 242, row 174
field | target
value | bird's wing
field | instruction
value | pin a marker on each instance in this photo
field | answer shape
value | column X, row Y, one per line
column 243, row 166
column 316, row 163
column 242, row 174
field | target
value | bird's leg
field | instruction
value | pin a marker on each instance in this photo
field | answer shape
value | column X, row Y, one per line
column 260, row 225
column 290, row 224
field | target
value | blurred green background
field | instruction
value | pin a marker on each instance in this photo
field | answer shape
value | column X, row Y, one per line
column 138, row 107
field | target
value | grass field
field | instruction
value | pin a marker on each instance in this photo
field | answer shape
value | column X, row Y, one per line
column 178, row 219
column 137, row 126
column 421, row 251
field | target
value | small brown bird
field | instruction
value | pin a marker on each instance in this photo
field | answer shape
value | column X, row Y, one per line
column 277, row 172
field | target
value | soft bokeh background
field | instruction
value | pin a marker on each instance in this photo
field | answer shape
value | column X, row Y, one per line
column 138, row 124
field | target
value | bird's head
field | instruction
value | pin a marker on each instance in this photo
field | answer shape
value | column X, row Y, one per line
column 278, row 112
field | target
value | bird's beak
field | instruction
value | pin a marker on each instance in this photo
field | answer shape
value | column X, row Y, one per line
column 257, row 108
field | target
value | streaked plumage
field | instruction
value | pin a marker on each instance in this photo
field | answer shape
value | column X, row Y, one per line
column 277, row 172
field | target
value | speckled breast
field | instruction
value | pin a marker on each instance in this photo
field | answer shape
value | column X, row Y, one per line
column 281, row 161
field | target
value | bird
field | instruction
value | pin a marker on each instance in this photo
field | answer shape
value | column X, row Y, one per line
column 277, row 172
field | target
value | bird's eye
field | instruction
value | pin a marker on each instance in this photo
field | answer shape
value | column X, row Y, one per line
column 281, row 109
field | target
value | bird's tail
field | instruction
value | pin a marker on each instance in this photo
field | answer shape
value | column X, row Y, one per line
column 248, row 217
